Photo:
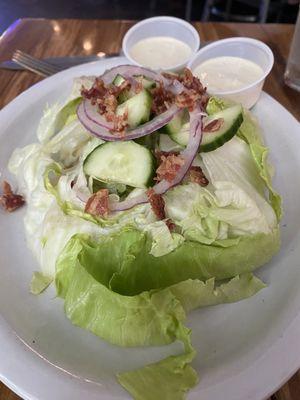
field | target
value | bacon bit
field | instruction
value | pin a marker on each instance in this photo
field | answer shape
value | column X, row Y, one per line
column 169, row 167
column 97, row 204
column 96, row 91
column 170, row 76
column 106, row 98
column 124, row 86
column 196, row 175
column 162, row 99
column 138, row 85
column 192, row 82
column 187, row 99
column 159, row 154
column 9, row 200
column 194, row 91
column 157, row 204
column 214, row 125
column 120, row 122
column 170, row 224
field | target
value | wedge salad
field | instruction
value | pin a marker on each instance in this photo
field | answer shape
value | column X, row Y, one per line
column 146, row 199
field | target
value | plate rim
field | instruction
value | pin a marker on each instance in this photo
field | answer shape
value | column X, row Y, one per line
column 290, row 335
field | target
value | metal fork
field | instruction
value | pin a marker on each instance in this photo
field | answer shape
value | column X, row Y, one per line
column 33, row 64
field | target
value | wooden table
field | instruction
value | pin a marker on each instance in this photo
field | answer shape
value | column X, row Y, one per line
column 42, row 38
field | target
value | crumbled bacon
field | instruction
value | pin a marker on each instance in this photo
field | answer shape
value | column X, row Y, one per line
column 194, row 91
column 196, row 175
column 98, row 90
column 187, row 99
column 214, row 125
column 9, row 200
column 157, row 204
column 161, row 99
column 106, row 98
column 192, row 82
column 170, row 75
column 170, row 224
column 159, row 154
column 97, row 204
column 169, row 167
column 137, row 85
column 120, row 121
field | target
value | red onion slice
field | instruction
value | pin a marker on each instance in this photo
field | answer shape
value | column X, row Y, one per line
column 97, row 124
column 188, row 154
column 104, row 133
column 92, row 113
column 131, row 71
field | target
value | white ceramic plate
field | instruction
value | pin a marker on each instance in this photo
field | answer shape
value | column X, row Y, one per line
column 245, row 350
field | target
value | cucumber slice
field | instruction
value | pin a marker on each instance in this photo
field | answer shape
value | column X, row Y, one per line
column 138, row 108
column 233, row 118
column 122, row 162
column 175, row 125
column 118, row 80
column 127, row 94
column 147, row 83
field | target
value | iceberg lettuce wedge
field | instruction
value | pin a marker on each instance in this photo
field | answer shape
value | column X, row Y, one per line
column 153, row 317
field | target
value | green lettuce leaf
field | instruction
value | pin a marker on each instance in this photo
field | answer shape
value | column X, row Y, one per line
column 153, row 317
column 129, row 268
column 195, row 293
column 239, row 188
column 163, row 241
column 251, row 133
column 56, row 117
column 39, row 282
column 167, row 379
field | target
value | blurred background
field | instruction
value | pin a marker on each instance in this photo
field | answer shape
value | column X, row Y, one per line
column 284, row 11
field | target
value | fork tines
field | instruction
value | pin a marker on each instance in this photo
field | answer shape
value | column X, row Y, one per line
column 35, row 65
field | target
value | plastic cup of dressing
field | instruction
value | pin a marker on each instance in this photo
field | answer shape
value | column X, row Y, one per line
column 161, row 43
column 234, row 68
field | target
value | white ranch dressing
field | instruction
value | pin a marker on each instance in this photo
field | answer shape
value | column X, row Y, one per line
column 160, row 52
column 222, row 74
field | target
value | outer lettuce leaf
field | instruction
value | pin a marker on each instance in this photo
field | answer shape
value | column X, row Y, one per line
column 28, row 164
column 168, row 379
column 129, row 269
column 150, row 318
column 39, row 282
column 66, row 146
column 234, row 174
column 250, row 132
column 55, row 118
column 195, row 293
column 153, row 317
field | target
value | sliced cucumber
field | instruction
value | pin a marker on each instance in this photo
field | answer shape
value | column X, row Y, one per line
column 122, row 162
column 118, row 80
column 232, row 117
column 127, row 94
column 146, row 82
column 175, row 125
column 138, row 108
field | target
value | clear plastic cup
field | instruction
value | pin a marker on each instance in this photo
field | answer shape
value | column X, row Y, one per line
column 247, row 48
column 292, row 71
column 162, row 26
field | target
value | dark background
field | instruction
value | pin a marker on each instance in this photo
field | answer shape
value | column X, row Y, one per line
column 241, row 10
